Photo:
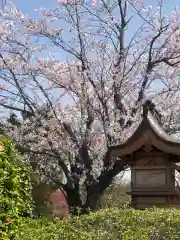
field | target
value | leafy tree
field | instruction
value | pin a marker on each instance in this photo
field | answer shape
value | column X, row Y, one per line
column 94, row 98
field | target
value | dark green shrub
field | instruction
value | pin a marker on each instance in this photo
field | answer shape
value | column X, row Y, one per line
column 15, row 189
column 109, row 224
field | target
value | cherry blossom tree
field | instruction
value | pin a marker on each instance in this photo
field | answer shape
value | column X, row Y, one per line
column 73, row 110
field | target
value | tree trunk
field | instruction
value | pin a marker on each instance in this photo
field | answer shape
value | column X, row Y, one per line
column 93, row 191
column 91, row 202
column 73, row 199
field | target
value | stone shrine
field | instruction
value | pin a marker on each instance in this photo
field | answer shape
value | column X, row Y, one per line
column 152, row 155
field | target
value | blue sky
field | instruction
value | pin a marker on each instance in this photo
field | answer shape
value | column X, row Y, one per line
column 27, row 6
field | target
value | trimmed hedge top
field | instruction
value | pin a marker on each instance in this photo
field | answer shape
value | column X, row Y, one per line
column 126, row 224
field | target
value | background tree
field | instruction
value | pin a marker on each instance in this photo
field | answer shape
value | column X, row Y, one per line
column 94, row 97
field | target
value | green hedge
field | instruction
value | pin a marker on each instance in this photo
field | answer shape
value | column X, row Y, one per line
column 127, row 224
column 15, row 189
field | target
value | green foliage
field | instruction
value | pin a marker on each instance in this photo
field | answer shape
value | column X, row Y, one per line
column 115, row 224
column 115, row 196
column 15, row 189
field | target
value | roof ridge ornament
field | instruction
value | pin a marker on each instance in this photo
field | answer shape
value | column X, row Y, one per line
column 149, row 106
